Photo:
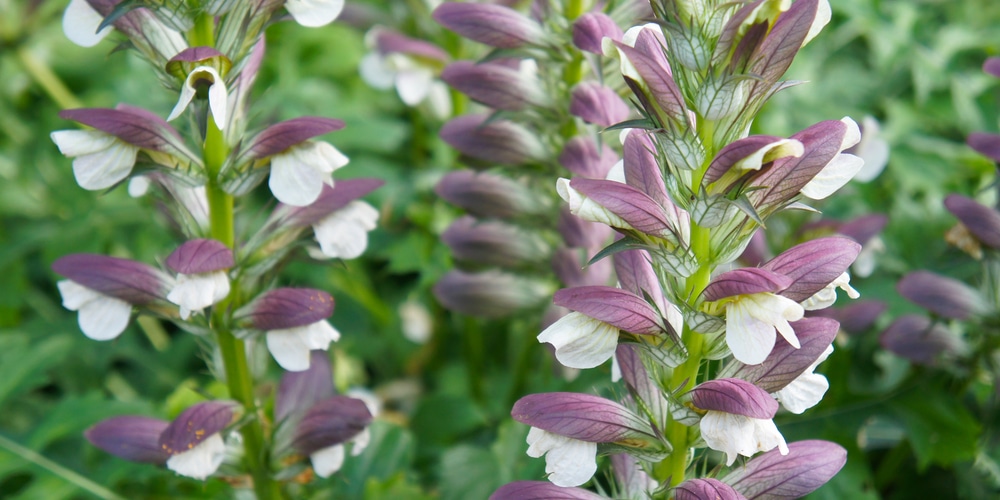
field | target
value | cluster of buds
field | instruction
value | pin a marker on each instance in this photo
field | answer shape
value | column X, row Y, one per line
column 708, row 351
column 543, row 94
column 213, row 285
column 959, row 329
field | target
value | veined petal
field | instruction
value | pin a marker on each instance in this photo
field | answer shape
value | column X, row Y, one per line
column 728, row 433
column 581, row 341
column 375, row 71
column 290, row 346
column 298, row 174
column 187, row 94
column 217, row 102
column 195, row 292
column 328, row 460
column 202, row 460
column 569, row 462
column 105, row 168
column 314, row 13
column 80, row 22
column 344, row 233
column 587, row 209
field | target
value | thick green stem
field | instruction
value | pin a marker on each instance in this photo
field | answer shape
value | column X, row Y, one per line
column 685, row 376
column 238, row 377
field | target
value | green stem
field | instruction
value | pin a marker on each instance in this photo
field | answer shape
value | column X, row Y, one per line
column 685, row 376
column 238, row 377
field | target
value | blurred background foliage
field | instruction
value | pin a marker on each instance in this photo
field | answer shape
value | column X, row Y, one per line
column 446, row 432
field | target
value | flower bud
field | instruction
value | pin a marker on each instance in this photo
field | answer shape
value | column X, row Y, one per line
column 494, row 141
column 917, row 339
column 941, row 295
column 488, row 195
column 597, row 104
column 496, row 85
column 493, row 25
column 704, row 489
column 489, row 294
column 133, row 438
column 590, row 29
column 580, row 156
column 494, row 243
column 983, row 222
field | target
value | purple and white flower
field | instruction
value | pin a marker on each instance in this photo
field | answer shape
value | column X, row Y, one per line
column 202, row 280
column 294, row 323
column 738, row 419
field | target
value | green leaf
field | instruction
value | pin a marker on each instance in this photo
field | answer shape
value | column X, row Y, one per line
column 469, row 472
column 23, row 365
column 626, row 243
column 389, row 453
column 939, row 428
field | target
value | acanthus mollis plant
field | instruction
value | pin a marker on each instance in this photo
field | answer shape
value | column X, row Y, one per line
column 709, row 352
column 541, row 95
column 214, row 284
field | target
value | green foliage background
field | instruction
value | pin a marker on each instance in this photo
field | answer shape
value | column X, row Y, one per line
column 446, row 433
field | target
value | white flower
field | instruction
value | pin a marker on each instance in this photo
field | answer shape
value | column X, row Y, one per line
column 101, row 317
column 828, row 295
column 100, row 160
column 568, row 461
column 80, row 22
column 314, row 13
column 298, row 173
column 217, row 94
column 344, row 233
column 290, row 346
column 807, row 389
column 841, row 169
column 414, row 82
column 416, row 322
column 751, row 321
column 740, row 435
column 873, row 149
column 581, row 341
column 328, row 460
column 202, row 460
column 194, row 292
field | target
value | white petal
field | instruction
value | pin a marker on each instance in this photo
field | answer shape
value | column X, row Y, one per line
column 81, row 142
column 569, row 462
column 344, row 233
column 202, row 460
column 804, row 392
column 194, row 292
column 298, row 174
column 416, row 322
column 375, row 72
column 616, row 369
column 767, row 436
column 572, row 464
column 314, row 13
column 104, row 318
column 328, row 460
column 864, row 265
column 75, row 295
column 217, row 96
column 776, row 310
column 617, row 172
column 290, row 347
column 80, row 23
column 187, row 94
column 823, row 15
column 581, row 341
column 138, row 186
column 853, row 134
column 729, row 433
column 106, row 168
column 413, row 85
column 873, row 149
column 834, row 176
column 750, row 339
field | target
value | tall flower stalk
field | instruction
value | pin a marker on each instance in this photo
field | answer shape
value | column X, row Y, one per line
column 214, row 284
column 708, row 351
